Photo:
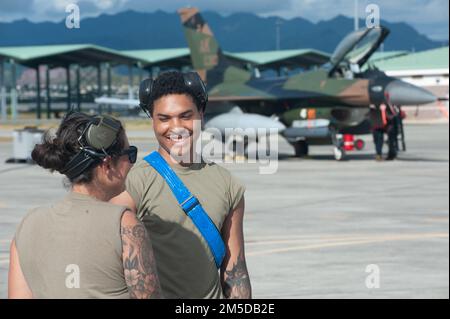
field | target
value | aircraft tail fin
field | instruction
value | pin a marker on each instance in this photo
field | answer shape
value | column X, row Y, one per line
column 206, row 55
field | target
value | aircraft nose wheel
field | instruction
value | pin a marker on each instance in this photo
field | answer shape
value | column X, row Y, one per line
column 338, row 142
column 339, row 154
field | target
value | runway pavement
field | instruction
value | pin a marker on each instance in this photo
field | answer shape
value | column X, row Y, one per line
column 316, row 226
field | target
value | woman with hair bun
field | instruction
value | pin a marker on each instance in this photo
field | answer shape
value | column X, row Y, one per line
column 83, row 246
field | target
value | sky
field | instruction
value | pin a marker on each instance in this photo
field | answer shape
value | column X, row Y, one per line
column 429, row 17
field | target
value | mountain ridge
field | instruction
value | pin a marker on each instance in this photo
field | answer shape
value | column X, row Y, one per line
column 236, row 32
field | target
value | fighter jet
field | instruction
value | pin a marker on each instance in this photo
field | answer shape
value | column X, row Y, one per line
column 317, row 107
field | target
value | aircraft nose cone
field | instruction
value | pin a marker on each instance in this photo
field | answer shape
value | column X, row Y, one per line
column 402, row 93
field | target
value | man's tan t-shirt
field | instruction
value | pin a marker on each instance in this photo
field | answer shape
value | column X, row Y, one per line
column 184, row 261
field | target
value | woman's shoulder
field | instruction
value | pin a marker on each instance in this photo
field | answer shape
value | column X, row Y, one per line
column 37, row 213
column 33, row 220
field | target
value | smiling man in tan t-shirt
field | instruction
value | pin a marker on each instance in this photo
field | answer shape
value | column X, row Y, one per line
column 184, row 261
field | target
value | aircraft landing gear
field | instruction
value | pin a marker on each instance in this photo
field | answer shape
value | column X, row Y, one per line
column 301, row 148
column 338, row 142
column 339, row 153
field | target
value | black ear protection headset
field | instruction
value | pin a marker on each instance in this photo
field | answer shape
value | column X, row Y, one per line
column 193, row 83
column 98, row 136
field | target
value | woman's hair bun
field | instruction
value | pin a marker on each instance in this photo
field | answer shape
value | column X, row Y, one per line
column 49, row 154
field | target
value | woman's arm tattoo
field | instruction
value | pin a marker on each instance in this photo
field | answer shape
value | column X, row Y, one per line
column 139, row 263
column 236, row 281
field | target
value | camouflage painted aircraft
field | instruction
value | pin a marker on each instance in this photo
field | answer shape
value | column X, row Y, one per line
column 317, row 107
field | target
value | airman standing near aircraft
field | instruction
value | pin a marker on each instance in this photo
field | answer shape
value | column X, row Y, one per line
column 392, row 127
column 194, row 210
column 378, row 123
column 385, row 119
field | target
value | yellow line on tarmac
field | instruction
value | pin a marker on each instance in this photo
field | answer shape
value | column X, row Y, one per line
column 350, row 243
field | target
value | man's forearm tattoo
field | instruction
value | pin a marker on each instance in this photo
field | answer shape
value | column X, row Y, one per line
column 139, row 264
column 236, row 281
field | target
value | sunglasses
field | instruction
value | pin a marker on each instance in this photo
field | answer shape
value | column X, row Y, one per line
column 131, row 152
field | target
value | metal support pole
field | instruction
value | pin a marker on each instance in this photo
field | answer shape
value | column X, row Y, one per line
column 109, row 80
column 278, row 24
column 78, row 88
column 141, row 75
column 130, row 82
column 99, row 85
column 38, row 93
column 13, row 91
column 4, row 114
column 155, row 72
column 99, row 79
column 69, row 94
column 356, row 13
column 47, row 89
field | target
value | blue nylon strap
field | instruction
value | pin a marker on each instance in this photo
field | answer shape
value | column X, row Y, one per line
column 191, row 206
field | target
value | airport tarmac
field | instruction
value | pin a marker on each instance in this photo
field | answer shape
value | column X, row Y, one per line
column 315, row 226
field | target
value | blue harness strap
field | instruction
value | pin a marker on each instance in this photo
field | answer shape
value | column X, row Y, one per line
column 191, row 206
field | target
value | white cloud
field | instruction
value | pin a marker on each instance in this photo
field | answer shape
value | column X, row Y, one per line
column 428, row 16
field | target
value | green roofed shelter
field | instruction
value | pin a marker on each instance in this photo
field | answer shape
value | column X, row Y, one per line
column 66, row 55
column 424, row 60
column 386, row 55
column 164, row 58
column 303, row 58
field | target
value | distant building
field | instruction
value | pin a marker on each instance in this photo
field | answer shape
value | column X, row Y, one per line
column 428, row 69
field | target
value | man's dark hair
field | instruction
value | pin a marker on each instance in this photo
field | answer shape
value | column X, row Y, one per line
column 171, row 82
